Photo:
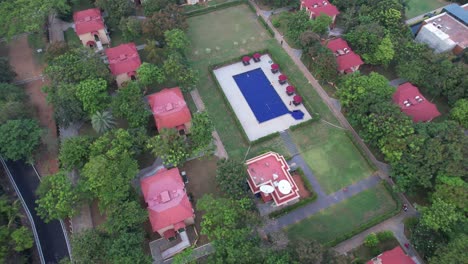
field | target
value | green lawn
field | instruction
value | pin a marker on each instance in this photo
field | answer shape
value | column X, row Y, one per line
column 344, row 217
column 419, row 7
column 226, row 34
column 332, row 156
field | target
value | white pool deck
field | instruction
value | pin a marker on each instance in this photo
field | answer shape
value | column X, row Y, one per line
column 252, row 127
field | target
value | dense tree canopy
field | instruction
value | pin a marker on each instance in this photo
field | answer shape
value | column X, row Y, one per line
column 297, row 24
column 6, row 71
column 68, row 109
column 170, row 17
column 103, row 121
column 168, row 145
column 177, row 40
column 12, row 104
column 453, row 252
column 19, row 139
column 231, row 177
column 129, row 104
column 150, row 74
column 459, row 112
column 74, row 152
column 93, row 95
column 116, row 9
column 177, row 69
column 201, row 132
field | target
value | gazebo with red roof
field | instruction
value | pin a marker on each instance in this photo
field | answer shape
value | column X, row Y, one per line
column 414, row 104
column 271, row 171
column 274, row 68
column 316, row 8
column 282, row 79
column 394, row 256
column 90, row 27
column 170, row 110
column 256, row 57
column 347, row 60
column 169, row 208
column 124, row 61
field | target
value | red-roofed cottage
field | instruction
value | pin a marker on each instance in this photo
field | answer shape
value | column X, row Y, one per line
column 394, row 256
column 169, row 208
column 269, row 175
column 170, row 110
column 414, row 104
column 347, row 60
column 316, row 8
column 123, row 62
column 90, row 28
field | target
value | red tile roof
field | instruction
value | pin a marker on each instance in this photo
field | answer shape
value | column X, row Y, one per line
column 87, row 21
column 347, row 58
column 167, row 200
column 169, row 108
column 414, row 104
column 271, row 169
column 319, row 7
column 394, row 256
column 123, row 59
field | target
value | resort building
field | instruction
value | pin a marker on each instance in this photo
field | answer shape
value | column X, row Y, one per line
column 393, row 256
column 347, row 60
column 123, row 62
column 170, row 110
column 414, row 104
column 270, row 178
column 316, row 8
column 169, row 208
column 447, row 31
column 90, row 28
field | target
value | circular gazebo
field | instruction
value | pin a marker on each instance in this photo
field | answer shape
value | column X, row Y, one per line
column 256, row 57
column 246, row 60
column 282, row 79
column 297, row 100
column 274, row 68
column 290, row 90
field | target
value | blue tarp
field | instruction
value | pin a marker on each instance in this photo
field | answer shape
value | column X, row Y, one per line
column 457, row 12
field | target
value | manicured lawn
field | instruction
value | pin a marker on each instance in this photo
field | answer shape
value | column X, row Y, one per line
column 332, row 156
column 227, row 34
column 419, row 7
column 344, row 217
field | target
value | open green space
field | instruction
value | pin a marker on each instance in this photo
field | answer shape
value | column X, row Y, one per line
column 344, row 217
column 223, row 35
column 419, row 7
column 332, row 156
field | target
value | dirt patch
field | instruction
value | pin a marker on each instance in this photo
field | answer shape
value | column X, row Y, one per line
column 96, row 215
column 303, row 192
column 22, row 59
column 202, row 180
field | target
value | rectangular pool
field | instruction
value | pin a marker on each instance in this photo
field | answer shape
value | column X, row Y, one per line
column 260, row 95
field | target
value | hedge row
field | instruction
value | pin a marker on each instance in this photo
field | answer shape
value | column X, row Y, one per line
column 266, row 26
column 315, row 118
column 373, row 221
column 364, row 154
column 265, row 138
column 210, row 9
column 301, row 203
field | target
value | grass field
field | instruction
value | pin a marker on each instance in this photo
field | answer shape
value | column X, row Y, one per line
column 344, row 217
column 226, row 34
column 419, row 7
column 332, row 156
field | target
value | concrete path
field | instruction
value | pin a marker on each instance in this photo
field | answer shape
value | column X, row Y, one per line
column 268, row 13
column 397, row 82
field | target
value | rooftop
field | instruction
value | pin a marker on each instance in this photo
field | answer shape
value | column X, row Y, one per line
column 458, row 12
column 345, row 57
column 168, row 204
column 272, row 171
column 123, row 59
column 169, row 108
column 457, row 31
column 414, row 104
column 321, row 7
column 88, row 21
column 393, row 256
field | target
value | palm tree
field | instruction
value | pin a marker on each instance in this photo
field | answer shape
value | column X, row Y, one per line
column 103, row 121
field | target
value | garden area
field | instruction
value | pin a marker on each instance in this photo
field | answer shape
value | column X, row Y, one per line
column 332, row 156
column 341, row 219
column 420, row 7
column 374, row 244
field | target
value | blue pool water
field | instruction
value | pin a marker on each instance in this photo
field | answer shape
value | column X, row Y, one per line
column 261, row 96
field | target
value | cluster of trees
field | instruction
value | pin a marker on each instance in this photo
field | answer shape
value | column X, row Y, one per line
column 13, row 236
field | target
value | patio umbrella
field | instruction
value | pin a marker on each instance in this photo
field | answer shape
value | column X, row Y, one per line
column 246, row 58
column 290, row 89
column 257, row 55
column 283, row 77
column 275, row 66
column 297, row 99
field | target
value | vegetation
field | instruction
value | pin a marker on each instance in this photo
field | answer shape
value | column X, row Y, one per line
column 19, row 139
column 201, row 132
column 170, row 146
column 150, row 74
column 129, row 104
column 12, row 103
column 74, row 152
column 231, row 177
column 6, row 71
column 93, row 95
column 103, row 121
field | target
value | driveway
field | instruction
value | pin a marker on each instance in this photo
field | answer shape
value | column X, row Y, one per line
column 51, row 235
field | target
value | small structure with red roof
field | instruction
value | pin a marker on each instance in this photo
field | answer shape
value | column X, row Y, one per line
column 315, row 8
column 90, row 28
column 282, row 79
column 414, row 104
column 256, row 57
column 347, row 60
column 170, row 110
column 274, row 68
column 297, row 100
column 290, row 90
column 123, row 62
column 394, row 256
column 269, row 176
column 169, row 208
column 246, row 60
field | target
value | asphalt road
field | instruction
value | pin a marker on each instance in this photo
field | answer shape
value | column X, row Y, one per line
column 51, row 236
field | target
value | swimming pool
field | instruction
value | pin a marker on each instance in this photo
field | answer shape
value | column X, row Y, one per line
column 260, row 95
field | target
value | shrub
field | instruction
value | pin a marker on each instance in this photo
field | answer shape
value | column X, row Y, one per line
column 371, row 240
column 385, row 235
column 276, row 23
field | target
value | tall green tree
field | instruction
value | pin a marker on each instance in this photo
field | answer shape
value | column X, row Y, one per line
column 19, row 139
column 68, row 109
column 150, row 74
column 383, row 54
column 177, row 69
column 12, row 104
column 93, row 95
column 201, row 131
column 119, row 141
column 116, row 9
column 131, row 28
column 152, row 6
column 89, row 246
column 453, row 190
column 321, row 25
column 177, row 40
column 129, row 104
column 453, row 252
column 440, row 216
column 57, row 197
column 459, row 112
column 74, row 152
column 297, row 24
column 168, row 145
column 6, row 71
column 103, row 121
column 125, row 217
column 231, row 177
column 170, row 17
column 22, row 238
